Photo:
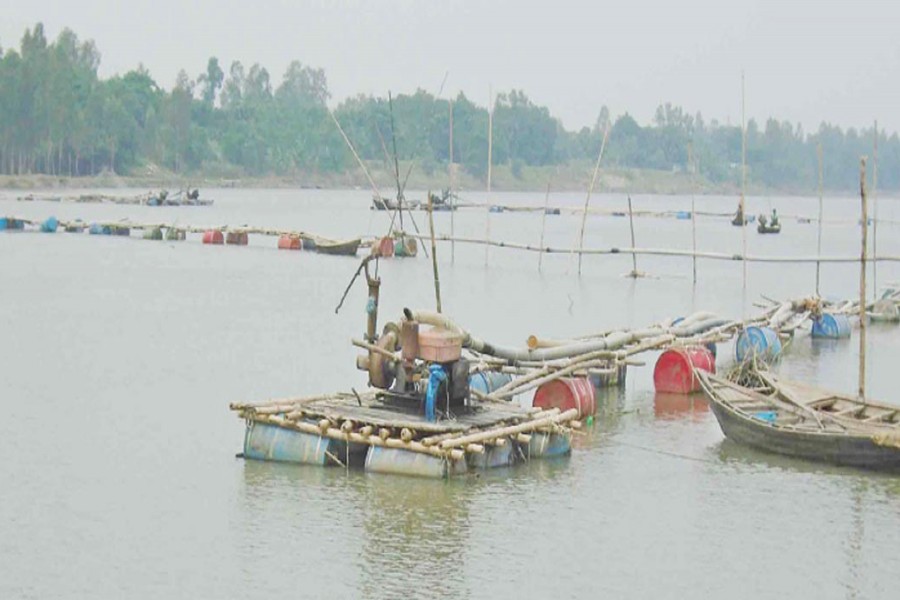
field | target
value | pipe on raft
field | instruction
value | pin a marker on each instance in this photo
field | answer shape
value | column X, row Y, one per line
column 704, row 322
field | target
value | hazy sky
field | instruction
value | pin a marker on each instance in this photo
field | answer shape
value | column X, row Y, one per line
column 803, row 61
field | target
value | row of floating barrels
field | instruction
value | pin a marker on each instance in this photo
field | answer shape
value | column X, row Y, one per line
column 674, row 370
column 401, row 246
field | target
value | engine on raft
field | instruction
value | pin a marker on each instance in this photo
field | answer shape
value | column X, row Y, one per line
column 420, row 368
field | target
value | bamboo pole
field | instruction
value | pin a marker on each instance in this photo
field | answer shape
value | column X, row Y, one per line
column 544, row 226
column 434, row 264
column 487, row 199
column 819, row 152
column 660, row 252
column 355, row 155
column 862, row 280
column 587, row 200
column 875, row 209
column 743, row 180
column 693, row 210
column 452, row 187
column 634, row 272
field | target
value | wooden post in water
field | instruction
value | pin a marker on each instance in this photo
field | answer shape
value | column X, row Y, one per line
column 434, row 264
column 452, row 187
column 587, row 200
column 692, row 167
column 543, row 227
column 819, row 242
column 875, row 207
column 634, row 272
column 487, row 200
column 862, row 280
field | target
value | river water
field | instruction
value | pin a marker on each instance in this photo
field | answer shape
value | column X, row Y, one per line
column 118, row 358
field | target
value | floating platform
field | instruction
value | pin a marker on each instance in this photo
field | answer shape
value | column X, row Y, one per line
column 381, row 434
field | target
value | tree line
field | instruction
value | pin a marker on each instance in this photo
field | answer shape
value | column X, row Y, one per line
column 58, row 117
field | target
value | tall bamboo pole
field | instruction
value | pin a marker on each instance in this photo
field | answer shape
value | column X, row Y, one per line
column 434, row 264
column 743, row 177
column 487, row 200
column 634, row 271
column 819, row 152
column 544, row 226
column 875, row 207
column 452, row 187
column 862, row 280
column 587, row 200
column 692, row 167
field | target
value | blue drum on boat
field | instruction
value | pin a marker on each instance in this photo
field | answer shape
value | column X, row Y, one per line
column 761, row 342
column 831, row 326
column 488, row 381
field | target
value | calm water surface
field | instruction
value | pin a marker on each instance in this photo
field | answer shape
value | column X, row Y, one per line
column 118, row 358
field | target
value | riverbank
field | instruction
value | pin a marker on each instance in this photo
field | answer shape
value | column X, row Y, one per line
column 571, row 177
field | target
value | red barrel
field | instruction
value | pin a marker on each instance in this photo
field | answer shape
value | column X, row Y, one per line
column 236, row 238
column 566, row 393
column 213, row 237
column 290, row 242
column 383, row 247
column 674, row 371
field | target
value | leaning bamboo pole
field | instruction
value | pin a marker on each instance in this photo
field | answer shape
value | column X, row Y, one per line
column 434, row 263
column 875, row 207
column 819, row 153
column 543, row 226
column 743, row 181
column 862, row 280
column 587, row 200
column 490, row 163
column 634, row 272
column 692, row 167
column 452, row 173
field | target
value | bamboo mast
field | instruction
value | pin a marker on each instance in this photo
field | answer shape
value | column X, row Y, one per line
column 543, row 226
column 355, row 155
column 634, row 272
column 434, row 264
column 587, row 200
column 452, row 187
column 875, row 208
column 692, row 167
column 819, row 152
column 487, row 200
column 862, row 280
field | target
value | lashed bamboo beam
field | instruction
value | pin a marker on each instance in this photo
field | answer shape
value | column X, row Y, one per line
column 536, row 424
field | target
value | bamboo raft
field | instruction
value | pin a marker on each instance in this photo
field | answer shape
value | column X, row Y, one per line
column 372, row 432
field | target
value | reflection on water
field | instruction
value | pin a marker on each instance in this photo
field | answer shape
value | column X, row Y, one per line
column 675, row 406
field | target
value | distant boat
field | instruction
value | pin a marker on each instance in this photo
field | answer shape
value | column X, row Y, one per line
column 763, row 227
column 797, row 420
column 345, row 248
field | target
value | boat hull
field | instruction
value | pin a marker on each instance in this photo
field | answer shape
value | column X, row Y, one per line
column 848, row 450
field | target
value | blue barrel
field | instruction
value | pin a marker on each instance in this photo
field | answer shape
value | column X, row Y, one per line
column 488, row 381
column 11, row 223
column 50, row 225
column 683, row 214
column 762, row 342
column 830, row 326
column 98, row 229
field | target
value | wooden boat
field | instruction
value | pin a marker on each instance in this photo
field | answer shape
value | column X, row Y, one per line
column 800, row 421
column 345, row 248
column 763, row 227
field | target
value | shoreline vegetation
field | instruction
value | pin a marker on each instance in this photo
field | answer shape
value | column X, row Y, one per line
column 62, row 125
column 569, row 178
